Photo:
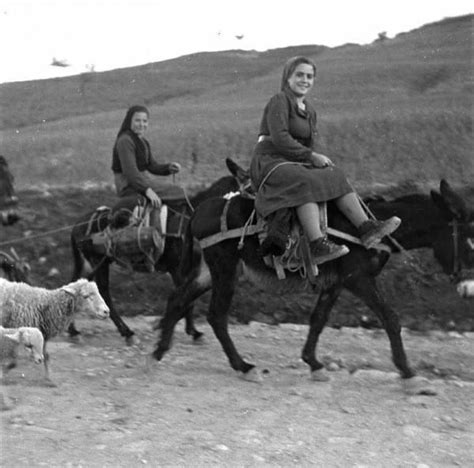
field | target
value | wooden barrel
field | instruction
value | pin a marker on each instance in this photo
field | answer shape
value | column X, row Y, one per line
column 132, row 241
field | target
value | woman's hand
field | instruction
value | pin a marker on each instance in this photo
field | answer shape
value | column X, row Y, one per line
column 174, row 167
column 155, row 200
column 319, row 160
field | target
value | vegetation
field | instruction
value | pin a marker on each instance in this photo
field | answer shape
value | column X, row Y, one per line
column 395, row 110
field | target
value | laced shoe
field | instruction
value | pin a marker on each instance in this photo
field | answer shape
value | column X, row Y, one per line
column 324, row 250
column 372, row 231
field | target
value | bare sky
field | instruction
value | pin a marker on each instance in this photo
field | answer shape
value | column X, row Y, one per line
column 110, row 34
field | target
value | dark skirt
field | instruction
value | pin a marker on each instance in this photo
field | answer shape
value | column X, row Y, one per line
column 292, row 185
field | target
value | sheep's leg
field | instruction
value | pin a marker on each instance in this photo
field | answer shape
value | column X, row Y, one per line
column 366, row 289
column 5, row 401
column 318, row 319
column 47, row 378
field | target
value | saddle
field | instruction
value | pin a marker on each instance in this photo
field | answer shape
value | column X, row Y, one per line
column 296, row 255
column 134, row 239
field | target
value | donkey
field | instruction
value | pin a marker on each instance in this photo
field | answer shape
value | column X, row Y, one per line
column 93, row 265
column 427, row 221
column 8, row 199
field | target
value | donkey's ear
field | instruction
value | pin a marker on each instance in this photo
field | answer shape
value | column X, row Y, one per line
column 236, row 170
column 438, row 200
column 453, row 201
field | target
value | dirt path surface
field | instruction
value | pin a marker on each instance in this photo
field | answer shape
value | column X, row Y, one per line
column 193, row 410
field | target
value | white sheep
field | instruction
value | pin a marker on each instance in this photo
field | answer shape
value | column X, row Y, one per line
column 10, row 341
column 50, row 310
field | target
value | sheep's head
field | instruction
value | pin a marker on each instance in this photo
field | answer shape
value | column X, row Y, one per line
column 88, row 298
column 32, row 339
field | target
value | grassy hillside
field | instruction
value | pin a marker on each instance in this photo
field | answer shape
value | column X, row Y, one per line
column 392, row 111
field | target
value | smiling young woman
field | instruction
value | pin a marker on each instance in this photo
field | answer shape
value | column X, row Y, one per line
column 288, row 174
column 134, row 166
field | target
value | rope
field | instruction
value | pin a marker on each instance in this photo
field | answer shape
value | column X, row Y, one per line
column 245, row 230
column 36, row 236
column 274, row 168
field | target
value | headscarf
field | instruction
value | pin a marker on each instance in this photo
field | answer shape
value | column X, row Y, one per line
column 141, row 144
column 290, row 67
column 127, row 121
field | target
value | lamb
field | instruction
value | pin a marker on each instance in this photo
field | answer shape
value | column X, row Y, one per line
column 49, row 310
column 10, row 340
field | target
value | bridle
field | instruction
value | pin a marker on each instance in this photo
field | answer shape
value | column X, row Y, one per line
column 457, row 260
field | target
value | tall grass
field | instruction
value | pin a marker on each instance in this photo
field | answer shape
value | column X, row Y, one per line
column 390, row 112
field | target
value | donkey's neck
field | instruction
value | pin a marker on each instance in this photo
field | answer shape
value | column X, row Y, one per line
column 421, row 219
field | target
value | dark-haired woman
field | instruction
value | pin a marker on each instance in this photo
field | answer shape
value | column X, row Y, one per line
column 135, row 169
column 287, row 173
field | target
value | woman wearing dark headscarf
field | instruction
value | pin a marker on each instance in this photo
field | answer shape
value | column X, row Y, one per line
column 288, row 173
column 135, row 169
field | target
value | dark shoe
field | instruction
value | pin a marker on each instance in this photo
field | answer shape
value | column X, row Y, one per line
column 372, row 231
column 323, row 250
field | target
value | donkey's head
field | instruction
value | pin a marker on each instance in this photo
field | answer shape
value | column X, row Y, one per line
column 454, row 247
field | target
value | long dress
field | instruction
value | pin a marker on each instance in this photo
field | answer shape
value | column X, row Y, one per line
column 281, row 171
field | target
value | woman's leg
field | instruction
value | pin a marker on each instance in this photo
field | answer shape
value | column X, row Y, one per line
column 350, row 205
column 322, row 249
column 371, row 231
column 308, row 215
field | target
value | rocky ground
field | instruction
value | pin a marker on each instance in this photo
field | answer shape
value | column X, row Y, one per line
column 192, row 410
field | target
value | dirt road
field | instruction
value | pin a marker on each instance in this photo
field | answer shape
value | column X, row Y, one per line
column 192, row 410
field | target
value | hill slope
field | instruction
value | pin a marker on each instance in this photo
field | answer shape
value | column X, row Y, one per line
column 394, row 110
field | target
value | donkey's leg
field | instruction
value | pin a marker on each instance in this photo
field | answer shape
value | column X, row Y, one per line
column 102, row 280
column 318, row 319
column 365, row 287
column 188, row 313
column 81, row 265
column 78, row 272
column 180, row 302
column 223, row 268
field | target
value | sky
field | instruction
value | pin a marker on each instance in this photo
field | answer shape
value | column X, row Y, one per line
column 101, row 35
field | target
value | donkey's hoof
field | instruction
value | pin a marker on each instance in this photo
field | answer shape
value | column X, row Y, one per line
column 198, row 338
column 320, row 375
column 132, row 340
column 253, row 375
column 418, row 386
